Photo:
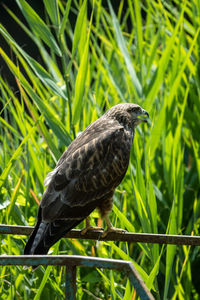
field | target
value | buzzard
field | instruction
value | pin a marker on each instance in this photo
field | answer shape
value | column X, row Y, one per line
column 86, row 176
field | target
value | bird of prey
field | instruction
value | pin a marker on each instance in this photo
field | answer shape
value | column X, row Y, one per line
column 86, row 176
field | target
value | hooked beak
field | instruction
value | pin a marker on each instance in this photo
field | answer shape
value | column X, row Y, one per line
column 140, row 118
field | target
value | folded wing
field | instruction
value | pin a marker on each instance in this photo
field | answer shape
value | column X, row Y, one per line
column 86, row 174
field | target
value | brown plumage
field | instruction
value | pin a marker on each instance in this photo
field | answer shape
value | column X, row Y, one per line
column 86, row 176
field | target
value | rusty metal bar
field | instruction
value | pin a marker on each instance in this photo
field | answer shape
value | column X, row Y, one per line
column 59, row 260
column 71, row 261
column 136, row 280
column 70, row 282
column 114, row 236
column 15, row 229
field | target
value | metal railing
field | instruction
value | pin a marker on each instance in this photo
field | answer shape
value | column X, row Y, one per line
column 114, row 236
column 71, row 262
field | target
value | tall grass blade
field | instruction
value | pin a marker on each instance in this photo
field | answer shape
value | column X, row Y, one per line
column 122, row 46
column 52, row 9
column 38, row 26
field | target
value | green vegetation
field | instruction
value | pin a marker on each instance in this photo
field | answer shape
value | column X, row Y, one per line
column 146, row 52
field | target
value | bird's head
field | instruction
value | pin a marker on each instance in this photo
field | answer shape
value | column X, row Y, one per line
column 128, row 114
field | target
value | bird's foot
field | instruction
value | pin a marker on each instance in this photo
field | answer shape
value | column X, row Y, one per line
column 112, row 229
column 91, row 228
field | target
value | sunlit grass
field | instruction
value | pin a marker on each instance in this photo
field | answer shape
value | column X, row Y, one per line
column 145, row 52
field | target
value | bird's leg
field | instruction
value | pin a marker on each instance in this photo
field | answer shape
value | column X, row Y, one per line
column 88, row 227
column 111, row 228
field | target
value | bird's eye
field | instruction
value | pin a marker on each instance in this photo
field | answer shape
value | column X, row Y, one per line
column 134, row 110
column 131, row 110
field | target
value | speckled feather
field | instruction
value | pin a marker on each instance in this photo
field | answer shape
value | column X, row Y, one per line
column 85, row 176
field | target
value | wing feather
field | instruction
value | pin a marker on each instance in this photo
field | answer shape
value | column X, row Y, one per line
column 88, row 174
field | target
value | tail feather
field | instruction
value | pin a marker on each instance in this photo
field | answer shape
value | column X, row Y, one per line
column 33, row 234
column 46, row 234
column 39, row 235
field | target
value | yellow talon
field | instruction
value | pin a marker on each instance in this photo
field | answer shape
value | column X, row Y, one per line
column 111, row 228
column 88, row 227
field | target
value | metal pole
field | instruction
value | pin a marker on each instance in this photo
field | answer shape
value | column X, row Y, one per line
column 114, row 236
column 72, row 261
column 139, row 284
column 70, row 285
